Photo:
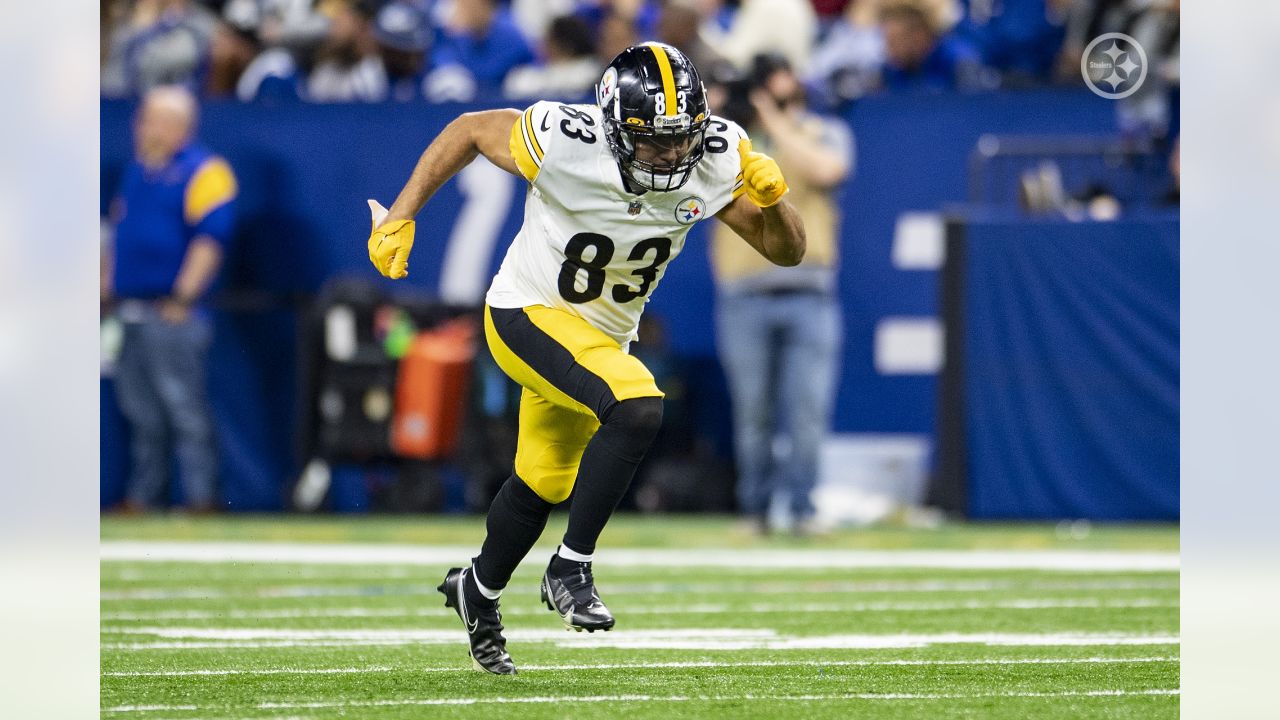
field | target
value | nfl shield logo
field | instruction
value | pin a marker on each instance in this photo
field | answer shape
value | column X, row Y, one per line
column 690, row 210
column 634, row 208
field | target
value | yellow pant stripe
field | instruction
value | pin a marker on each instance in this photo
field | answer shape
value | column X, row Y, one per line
column 668, row 78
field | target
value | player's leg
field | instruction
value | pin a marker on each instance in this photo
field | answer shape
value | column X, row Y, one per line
column 575, row 366
column 810, row 363
column 745, row 341
column 548, row 450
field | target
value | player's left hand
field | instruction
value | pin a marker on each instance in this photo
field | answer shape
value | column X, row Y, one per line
column 761, row 176
column 390, row 243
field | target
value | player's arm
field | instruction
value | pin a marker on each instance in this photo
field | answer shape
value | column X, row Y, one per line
column 766, row 221
column 484, row 133
column 476, row 133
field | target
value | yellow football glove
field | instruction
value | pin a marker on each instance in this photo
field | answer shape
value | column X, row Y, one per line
column 390, row 243
column 761, row 176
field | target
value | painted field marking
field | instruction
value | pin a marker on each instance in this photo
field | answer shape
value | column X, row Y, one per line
column 671, row 639
column 360, row 554
column 697, row 609
column 771, row 587
column 648, row 698
column 655, row 665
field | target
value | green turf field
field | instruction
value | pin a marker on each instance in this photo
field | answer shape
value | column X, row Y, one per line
column 339, row 618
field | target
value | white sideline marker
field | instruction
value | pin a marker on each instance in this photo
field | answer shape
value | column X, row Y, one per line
column 391, row 554
column 625, row 588
column 655, row 665
column 668, row 639
column 647, row 698
column 697, row 609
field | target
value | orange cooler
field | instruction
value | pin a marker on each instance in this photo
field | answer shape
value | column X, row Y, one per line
column 431, row 391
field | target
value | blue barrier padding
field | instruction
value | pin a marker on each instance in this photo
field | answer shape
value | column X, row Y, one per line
column 1071, row 369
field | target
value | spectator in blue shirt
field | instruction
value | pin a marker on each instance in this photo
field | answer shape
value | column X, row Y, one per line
column 172, row 218
column 479, row 44
column 157, row 42
column 1019, row 39
column 921, row 55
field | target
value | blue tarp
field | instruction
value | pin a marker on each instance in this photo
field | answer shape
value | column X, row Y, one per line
column 1071, row 369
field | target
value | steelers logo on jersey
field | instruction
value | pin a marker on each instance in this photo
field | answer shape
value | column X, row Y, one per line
column 690, row 210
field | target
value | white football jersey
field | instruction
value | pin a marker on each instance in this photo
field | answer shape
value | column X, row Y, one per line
column 587, row 245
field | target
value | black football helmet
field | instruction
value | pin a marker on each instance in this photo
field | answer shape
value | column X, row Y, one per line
column 655, row 115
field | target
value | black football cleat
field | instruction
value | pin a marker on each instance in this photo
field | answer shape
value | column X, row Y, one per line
column 572, row 595
column 483, row 625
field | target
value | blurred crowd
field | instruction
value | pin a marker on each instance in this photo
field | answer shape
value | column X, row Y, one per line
column 465, row 50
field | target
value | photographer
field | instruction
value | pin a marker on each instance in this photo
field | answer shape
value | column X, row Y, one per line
column 779, row 328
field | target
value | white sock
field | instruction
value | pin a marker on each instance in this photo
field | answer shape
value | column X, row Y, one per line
column 568, row 554
column 490, row 594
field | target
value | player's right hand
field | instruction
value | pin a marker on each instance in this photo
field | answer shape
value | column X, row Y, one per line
column 390, row 243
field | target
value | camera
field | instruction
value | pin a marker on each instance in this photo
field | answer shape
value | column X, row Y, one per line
column 737, row 85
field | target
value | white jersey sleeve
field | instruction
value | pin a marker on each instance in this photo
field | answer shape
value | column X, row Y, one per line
column 531, row 138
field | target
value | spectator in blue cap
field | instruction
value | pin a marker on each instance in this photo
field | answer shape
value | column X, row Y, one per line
column 348, row 65
column 403, row 31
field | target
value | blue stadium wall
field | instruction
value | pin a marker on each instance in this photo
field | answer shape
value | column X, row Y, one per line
column 305, row 171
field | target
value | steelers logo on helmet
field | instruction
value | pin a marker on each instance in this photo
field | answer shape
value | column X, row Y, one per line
column 655, row 115
column 608, row 85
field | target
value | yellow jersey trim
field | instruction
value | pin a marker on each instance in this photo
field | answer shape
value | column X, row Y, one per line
column 533, row 136
column 522, row 149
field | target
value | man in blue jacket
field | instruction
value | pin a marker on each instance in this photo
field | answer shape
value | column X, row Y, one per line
column 172, row 217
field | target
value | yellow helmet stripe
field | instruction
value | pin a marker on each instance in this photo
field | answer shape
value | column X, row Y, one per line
column 668, row 79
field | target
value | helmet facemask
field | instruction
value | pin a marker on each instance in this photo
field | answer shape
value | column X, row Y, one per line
column 655, row 115
column 657, row 159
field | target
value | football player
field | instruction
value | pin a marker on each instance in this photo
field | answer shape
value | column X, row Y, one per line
column 613, row 189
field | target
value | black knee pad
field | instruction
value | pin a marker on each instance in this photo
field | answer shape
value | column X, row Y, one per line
column 639, row 417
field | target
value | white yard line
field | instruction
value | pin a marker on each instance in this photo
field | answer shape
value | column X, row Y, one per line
column 657, row 665
column 668, row 639
column 361, row 554
column 400, row 702
column 622, row 609
column 771, row 587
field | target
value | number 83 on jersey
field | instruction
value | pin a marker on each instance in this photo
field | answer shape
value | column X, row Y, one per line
column 587, row 257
